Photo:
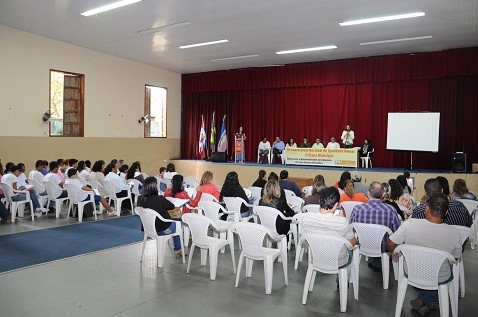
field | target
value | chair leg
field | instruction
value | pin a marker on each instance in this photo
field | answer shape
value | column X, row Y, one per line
column 308, row 280
column 230, row 238
column 268, row 270
column 80, row 212
column 249, row 264
column 356, row 257
column 161, row 246
column 443, row 300
column 213, row 254
column 402, row 289
column 283, row 245
column 142, row 248
column 239, row 267
column 385, row 270
column 312, row 281
column 343, row 285
column 204, row 257
column 298, row 249
column 186, row 235
column 58, row 209
column 191, row 252
column 462, row 278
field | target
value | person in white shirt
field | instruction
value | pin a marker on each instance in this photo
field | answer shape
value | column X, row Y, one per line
column 264, row 149
column 348, row 137
column 82, row 172
column 11, row 179
column 333, row 144
column 122, row 189
column 170, row 171
column 22, row 179
column 291, row 143
column 72, row 163
column 37, row 174
column 83, row 193
column 317, row 144
column 53, row 177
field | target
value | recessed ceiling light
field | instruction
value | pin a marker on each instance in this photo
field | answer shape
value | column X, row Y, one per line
column 108, row 7
column 399, row 40
column 203, row 44
column 234, row 57
column 310, row 49
column 382, row 19
column 163, row 28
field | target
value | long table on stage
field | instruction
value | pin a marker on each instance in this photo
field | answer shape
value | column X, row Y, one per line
column 322, row 157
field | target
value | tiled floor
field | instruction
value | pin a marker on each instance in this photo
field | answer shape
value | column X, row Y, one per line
column 115, row 283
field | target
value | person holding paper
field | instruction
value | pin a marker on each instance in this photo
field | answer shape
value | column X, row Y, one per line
column 85, row 192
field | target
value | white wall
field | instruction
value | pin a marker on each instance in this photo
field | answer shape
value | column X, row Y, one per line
column 114, row 87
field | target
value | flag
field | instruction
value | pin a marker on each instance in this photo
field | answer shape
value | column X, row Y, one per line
column 202, row 140
column 222, row 144
column 212, row 140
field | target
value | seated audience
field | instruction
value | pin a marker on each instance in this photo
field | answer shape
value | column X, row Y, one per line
column 317, row 144
column 88, row 166
column 82, row 172
column 151, row 199
column 393, row 194
column 358, row 185
column 123, row 170
column 37, row 174
column 53, row 177
column 291, row 143
column 340, row 184
column 260, row 182
column 21, row 179
column 286, row 184
column 387, row 194
column 430, row 232
column 277, row 147
column 305, row 143
column 177, row 191
column 406, row 199
column 460, row 191
column 333, row 144
column 85, row 192
column 264, row 149
column 160, row 179
column 350, row 194
column 314, row 199
column 319, row 179
column 207, row 186
column 72, row 163
column 272, row 198
column 5, row 215
column 97, row 172
column 122, row 189
column 170, row 171
column 232, row 188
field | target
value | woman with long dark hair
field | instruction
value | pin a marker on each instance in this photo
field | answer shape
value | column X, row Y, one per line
column 177, row 191
column 151, row 199
column 232, row 188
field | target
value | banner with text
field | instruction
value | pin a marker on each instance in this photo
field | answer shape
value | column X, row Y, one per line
column 323, row 157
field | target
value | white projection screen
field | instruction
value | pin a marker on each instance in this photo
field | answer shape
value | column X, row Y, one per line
column 413, row 131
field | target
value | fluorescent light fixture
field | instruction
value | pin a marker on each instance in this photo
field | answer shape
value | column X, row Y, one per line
column 108, row 7
column 203, row 44
column 234, row 57
column 310, row 49
column 163, row 28
column 399, row 40
column 385, row 18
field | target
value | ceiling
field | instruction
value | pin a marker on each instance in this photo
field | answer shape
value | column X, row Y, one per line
column 252, row 27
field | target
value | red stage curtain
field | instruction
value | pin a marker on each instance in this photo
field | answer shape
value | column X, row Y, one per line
column 317, row 100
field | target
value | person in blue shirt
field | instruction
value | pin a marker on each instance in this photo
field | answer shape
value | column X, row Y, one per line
column 277, row 149
column 286, row 184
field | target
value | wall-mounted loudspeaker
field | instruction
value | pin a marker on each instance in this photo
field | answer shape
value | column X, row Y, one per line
column 458, row 163
column 219, row 157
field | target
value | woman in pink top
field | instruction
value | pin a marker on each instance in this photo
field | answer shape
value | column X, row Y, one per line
column 207, row 186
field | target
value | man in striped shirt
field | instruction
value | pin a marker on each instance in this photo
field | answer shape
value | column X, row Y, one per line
column 376, row 212
column 457, row 212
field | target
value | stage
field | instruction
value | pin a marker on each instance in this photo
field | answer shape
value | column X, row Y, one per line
column 248, row 172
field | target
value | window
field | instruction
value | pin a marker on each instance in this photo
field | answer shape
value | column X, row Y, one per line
column 155, row 107
column 66, row 103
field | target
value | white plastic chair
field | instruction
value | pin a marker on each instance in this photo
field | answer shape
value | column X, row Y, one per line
column 289, row 193
column 111, row 188
column 370, row 238
column 199, row 226
column 423, row 267
column 367, row 159
column 252, row 237
column 256, row 193
column 191, row 192
column 148, row 219
column 135, row 190
column 233, row 205
column 269, row 156
column 16, row 205
column 267, row 216
column 313, row 208
column 307, row 191
column 248, row 193
column 82, row 181
column 72, row 196
column 207, row 197
column 39, row 188
column 51, row 189
column 324, row 251
column 101, row 189
column 191, row 181
column 465, row 233
column 348, row 207
column 472, row 207
column 296, row 203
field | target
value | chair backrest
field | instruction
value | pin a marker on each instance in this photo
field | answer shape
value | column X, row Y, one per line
column 211, row 209
column 348, row 206
column 148, row 219
column 191, row 192
column 191, row 181
column 289, row 193
column 178, row 202
column 136, row 184
column 51, row 189
column 248, row 192
column 207, row 197
column 82, row 181
column 314, row 208
column 234, row 203
column 465, row 232
column 471, row 205
column 94, row 183
column 423, row 264
column 145, row 175
column 307, row 190
column 267, row 216
column 39, row 188
column 252, row 237
column 370, row 237
column 325, row 250
column 8, row 191
column 72, row 191
column 111, row 188
column 296, row 203
column 199, row 226
column 256, row 192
